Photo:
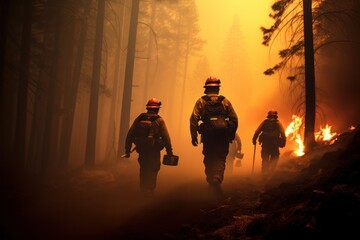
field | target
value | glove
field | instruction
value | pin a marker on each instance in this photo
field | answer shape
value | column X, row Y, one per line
column 254, row 141
column 194, row 142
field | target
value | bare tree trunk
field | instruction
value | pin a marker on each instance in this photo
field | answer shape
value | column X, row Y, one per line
column 183, row 85
column 47, row 148
column 130, row 60
column 70, row 102
column 171, row 92
column 94, row 95
column 64, row 76
column 111, row 147
column 148, row 78
column 38, row 116
column 3, row 118
column 310, row 101
column 19, row 148
column 5, row 5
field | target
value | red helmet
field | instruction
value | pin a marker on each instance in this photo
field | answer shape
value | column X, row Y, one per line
column 153, row 103
column 212, row 82
column 272, row 113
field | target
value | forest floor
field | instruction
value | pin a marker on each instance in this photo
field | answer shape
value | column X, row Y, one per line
column 315, row 196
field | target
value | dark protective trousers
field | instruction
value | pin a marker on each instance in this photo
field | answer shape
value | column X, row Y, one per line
column 215, row 150
column 149, row 167
column 270, row 156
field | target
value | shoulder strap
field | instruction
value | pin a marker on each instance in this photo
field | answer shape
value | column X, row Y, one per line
column 142, row 116
column 207, row 98
column 221, row 98
column 154, row 118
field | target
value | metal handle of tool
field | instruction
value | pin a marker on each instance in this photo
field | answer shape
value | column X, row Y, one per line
column 124, row 155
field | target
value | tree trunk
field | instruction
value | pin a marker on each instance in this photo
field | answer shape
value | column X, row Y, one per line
column 37, row 123
column 171, row 92
column 70, row 102
column 69, row 35
column 310, row 102
column 130, row 60
column 47, row 148
column 3, row 32
column 19, row 148
column 3, row 118
column 39, row 114
column 111, row 147
column 183, row 84
column 148, row 76
column 94, row 94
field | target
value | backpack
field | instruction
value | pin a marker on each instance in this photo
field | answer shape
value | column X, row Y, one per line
column 271, row 133
column 215, row 119
column 145, row 133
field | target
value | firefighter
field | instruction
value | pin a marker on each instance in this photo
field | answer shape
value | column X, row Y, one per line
column 150, row 135
column 271, row 136
column 218, row 127
column 235, row 153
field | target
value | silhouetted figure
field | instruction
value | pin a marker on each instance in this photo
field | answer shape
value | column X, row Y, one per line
column 150, row 135
column 235, row 154
column 218, row 127
column 271, row 136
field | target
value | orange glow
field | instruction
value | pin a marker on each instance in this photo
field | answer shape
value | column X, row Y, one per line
column 251, row 93
column 293, row 130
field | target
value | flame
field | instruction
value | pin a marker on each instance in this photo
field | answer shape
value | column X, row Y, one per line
column 325, row 135
column 293, row 130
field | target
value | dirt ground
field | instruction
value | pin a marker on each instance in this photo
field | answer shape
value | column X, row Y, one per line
column 312, row 197
column 105, row 203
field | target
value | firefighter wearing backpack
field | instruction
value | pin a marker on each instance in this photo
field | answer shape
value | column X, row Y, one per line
column 150, row 135
column 217, row 130
column 271, row 137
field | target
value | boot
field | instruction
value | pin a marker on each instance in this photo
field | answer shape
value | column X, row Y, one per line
column 215, row 186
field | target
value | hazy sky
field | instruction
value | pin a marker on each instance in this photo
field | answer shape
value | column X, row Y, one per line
column 216, row 17
column 215, row 20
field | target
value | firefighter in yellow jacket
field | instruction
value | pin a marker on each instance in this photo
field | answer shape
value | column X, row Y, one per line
column 218, row 127
column 150, row 135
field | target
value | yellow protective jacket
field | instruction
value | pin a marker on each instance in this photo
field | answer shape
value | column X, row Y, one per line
column 199, row 111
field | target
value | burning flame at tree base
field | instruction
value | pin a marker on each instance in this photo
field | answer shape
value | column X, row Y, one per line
column 293, row 131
